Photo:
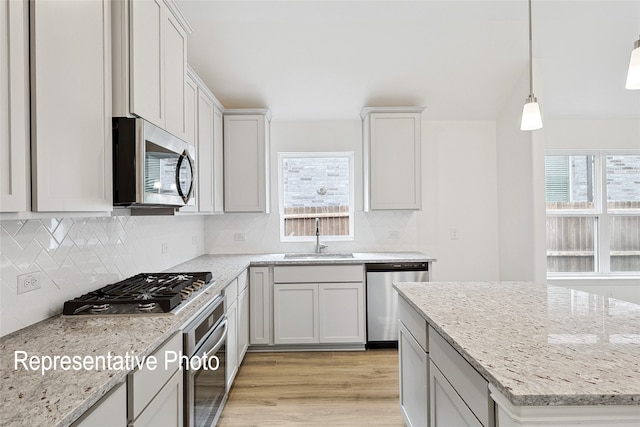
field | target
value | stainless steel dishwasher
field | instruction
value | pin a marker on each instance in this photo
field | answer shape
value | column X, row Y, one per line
column 382, row 299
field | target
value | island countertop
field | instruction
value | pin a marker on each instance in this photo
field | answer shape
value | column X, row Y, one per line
column 539, row 345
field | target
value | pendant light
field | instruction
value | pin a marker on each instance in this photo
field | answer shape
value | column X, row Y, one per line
column 633, row 76
column 531, row 118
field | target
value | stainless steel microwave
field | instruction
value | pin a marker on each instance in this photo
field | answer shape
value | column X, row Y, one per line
column 151, row 167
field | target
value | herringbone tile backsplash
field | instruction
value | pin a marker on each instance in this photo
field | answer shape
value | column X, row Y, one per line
column 78, row 255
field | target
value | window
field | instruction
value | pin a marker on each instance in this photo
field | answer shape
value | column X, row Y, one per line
column 316, row 185
column 593, row 213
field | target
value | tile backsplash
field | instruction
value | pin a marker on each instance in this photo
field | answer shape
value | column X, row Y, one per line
column 78, row 255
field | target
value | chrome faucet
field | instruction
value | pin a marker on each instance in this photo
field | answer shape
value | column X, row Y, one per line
column 319, row 246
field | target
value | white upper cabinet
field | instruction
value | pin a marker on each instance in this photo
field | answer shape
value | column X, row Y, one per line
column 392, row 158
column 150, row 63
column 207, row 123
column 14, row 107
column 147, row 76
column 191, row 118
column 71, row 105
column 246, row 161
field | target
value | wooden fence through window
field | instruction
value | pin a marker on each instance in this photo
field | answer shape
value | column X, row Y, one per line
column 301, row 221
column 571, row 240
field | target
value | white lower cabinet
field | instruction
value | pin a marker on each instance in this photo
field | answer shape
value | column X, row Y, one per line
column 237, row 301
column 166, row 409
column 458, row 394
column 109, row 411
column 447, row 407
column 414, row 379
column 243, row 324
column 155, row 396
column 318, row 305
column 318, row 313
column 231, row 346
column 341, row 312
column 295, row 311
column 413, row 356
column 260, row 306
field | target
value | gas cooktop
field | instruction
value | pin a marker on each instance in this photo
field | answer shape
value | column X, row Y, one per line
column 143, row 293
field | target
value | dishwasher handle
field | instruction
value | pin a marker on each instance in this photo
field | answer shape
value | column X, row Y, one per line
column 397, row 266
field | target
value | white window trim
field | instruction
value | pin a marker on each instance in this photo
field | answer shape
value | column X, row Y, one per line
column 324, row 238
column 599, row 211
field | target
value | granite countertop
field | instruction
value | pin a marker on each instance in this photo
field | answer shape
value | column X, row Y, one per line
column 59, row 397
column 538, row 345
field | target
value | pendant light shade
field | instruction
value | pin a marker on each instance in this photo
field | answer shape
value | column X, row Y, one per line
column 633, row 77
column 531, row 117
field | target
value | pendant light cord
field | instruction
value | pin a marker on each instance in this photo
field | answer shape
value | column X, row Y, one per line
column 530, row 53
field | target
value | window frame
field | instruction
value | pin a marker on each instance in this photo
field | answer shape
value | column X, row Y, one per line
column 601, row 213
column 350, row 155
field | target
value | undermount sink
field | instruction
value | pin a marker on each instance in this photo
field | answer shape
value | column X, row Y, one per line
column 316, row 255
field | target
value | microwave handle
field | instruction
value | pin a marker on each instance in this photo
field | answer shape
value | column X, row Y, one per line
column 183, row 156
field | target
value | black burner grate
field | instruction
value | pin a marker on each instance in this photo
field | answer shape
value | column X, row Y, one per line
column 142, row 293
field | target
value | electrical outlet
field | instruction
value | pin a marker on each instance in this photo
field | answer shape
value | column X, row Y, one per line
column 393, row 234
column 455, row 235
column 240, row 237
column 29, row 282
column 164, row 248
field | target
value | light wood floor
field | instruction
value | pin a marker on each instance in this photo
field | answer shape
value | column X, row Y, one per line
column 315, row 389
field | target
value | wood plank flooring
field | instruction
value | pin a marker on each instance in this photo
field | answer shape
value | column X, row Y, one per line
column 315, row 389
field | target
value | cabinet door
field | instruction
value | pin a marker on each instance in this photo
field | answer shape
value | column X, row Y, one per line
column 175, row 72
column 231, row 346
column 244, row 163
column 14, row 107
column 447, row 407
column 109, row 411
column 341, row 312
column 260, row 306
column 147, row 60
column 191, row 110
column 295, row 313
column 166, row 409
column 205, row 152
column 395, row 161
column 243, row 324
column 414, row 379
column 218, row 162
column 71, row 105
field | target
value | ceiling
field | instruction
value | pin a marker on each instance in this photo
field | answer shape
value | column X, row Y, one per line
column 463, row 60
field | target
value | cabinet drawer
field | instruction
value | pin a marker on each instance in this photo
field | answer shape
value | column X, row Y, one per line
column 318, row 273
column 143, row 384
column 466, row 381
column 415, row 324
column 231, row 292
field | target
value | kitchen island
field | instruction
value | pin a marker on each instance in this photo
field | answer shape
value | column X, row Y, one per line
column 543, row 355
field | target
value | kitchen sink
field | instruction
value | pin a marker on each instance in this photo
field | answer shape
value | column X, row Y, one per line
column 318, row 256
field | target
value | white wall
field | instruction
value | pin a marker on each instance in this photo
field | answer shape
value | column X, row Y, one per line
column 459, row 190
column 79, row 255
column 515, row 190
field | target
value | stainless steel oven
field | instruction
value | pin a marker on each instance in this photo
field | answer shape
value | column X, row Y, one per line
column 204, row 366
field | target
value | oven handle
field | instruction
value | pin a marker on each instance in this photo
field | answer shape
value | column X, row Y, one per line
column 214, row 341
